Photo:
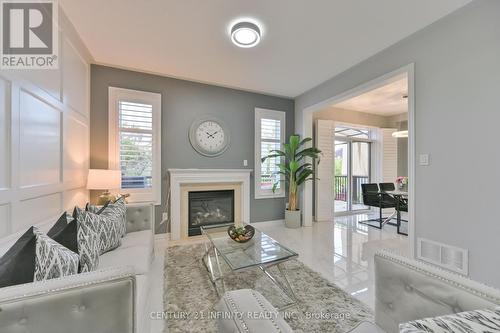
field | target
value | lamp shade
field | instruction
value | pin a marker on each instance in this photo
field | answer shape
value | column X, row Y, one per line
column 102, row 179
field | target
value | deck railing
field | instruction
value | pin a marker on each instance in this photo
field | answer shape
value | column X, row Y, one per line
column 341, row 188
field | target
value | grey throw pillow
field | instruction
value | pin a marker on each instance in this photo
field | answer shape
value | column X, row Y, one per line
column 116, row 212
column 107, row 230
column 17, row 266
column 88, row 245
column 79, row 237
column 52, row 260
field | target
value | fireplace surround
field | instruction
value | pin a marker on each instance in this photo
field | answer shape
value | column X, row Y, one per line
column 183, row 181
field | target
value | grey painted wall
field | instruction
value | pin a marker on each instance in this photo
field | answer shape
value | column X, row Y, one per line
column 457, row 73
column 182, row 102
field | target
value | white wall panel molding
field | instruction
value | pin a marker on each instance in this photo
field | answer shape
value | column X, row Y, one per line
column 40, row 142
column 5, row 89
column 44, row 137
column 75, row 150
column 76, row 197
column 5, row 216
column 36, row 210
column 75, row 92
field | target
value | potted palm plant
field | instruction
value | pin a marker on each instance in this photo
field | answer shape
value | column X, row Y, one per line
column 294, row 171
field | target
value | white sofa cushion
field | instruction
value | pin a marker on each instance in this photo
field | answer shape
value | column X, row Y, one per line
column 142, row 293
column 137, row 256
column 138, row 238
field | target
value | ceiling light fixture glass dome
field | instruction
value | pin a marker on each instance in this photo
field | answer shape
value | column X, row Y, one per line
column 245, row 34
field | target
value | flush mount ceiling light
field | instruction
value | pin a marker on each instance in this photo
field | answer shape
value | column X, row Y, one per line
column 245, row 34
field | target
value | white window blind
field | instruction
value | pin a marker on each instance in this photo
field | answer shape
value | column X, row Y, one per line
column 269, row 135
column 136, row 143
column 270, row 139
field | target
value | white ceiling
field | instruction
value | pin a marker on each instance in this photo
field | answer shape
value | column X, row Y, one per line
column 304, row 42
column 386, row 100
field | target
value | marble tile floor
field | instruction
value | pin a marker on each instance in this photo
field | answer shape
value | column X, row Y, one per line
column 341, row 251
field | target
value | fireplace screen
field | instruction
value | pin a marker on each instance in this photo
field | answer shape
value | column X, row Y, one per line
column 209, row 208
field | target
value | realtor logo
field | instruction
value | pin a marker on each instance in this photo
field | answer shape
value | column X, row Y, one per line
column 29, row 34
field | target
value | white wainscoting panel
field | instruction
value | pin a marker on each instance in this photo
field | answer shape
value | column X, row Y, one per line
column 77, row 197
column 44, row 138
column 37, row 210
column 40, row 146
column 4, row 217
column 49, row 81
column 76, row 155
column 75, row 92
column 4, row 134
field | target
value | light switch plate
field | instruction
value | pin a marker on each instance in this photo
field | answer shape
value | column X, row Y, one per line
column 424, row 159
column 245, row 162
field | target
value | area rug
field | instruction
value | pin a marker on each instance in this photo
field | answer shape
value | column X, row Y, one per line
column 189, row 296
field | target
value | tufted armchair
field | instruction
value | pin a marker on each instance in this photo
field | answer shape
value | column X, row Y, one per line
column 407, row 291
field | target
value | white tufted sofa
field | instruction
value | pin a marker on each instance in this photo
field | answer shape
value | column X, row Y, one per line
column 115, row 298
column 407, row 290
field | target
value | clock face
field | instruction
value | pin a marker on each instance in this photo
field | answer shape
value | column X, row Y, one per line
column 209, row 137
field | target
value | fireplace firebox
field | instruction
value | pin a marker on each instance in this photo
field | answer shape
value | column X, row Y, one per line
column 209, row 208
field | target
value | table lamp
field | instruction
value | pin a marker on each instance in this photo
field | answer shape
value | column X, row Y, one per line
column 103, row 179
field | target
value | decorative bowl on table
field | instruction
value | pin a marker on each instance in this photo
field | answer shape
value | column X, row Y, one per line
column 241, row 234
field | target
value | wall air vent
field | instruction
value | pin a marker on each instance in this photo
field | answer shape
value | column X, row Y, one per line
column 446, row 256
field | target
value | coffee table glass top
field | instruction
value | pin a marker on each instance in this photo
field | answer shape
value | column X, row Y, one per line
column 260, row 250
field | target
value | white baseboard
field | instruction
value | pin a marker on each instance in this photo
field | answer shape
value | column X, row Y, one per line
column 270, row 221
column 165, row 240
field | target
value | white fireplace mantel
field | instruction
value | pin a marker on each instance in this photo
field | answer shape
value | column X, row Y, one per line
column 180, row 177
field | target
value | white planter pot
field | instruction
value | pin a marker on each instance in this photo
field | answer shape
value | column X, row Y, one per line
column 292, row 218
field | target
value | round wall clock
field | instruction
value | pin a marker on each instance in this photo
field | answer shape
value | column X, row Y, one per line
column 209, row 136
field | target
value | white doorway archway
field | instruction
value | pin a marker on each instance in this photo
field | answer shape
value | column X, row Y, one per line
column 307, row 131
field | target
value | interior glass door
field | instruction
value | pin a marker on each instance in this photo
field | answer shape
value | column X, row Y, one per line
column 341, row 176
column 351, row 170
column 360, row 172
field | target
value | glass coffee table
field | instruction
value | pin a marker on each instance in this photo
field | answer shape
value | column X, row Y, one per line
column 261, row 252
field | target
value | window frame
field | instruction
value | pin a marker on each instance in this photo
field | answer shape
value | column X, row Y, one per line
column 143, row 195
column 266, row 114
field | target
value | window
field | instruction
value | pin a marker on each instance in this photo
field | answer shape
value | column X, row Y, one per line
column 269, row 135
column 352, row 132
column 134, row 142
